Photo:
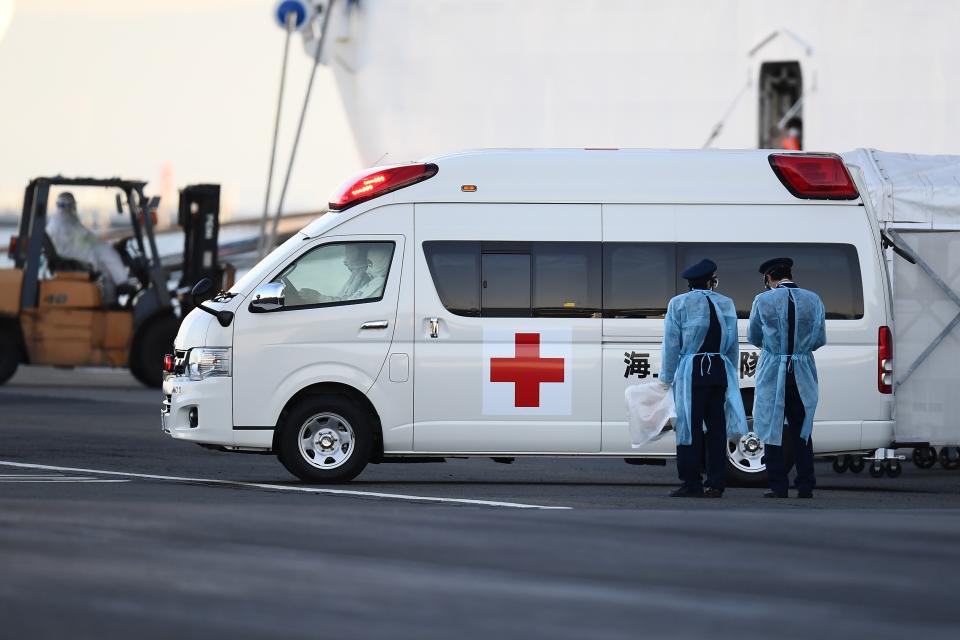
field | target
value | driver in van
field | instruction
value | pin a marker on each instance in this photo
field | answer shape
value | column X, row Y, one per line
column 368, row 265
column 74, row 241
column 788, row 324
column 355, row 259
column 700, row 345
column 378, row 261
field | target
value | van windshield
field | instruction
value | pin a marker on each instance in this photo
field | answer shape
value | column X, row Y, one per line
column 263, row 268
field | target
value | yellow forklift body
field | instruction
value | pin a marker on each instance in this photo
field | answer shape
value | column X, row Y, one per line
column 77, row 337
column 70, row 290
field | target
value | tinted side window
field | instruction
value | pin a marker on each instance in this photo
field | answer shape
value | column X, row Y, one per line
column 517, row 279
column 455, row 269
column 832, row 271
column 638, row 279
column 505, row 285
column 566, row 279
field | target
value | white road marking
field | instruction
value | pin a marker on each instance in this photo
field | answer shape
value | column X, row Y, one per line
column 70, row 480
column 20, row 478
column 280, row 487
column 30, row 475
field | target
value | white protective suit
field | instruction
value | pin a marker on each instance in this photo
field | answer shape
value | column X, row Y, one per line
column 379, row 257
column 355, row 259
column 74, row 241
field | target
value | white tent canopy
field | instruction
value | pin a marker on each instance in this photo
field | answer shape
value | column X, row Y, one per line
column 909, row 188
column 916, row 199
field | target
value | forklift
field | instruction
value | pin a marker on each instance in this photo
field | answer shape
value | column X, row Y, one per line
column 52, row 310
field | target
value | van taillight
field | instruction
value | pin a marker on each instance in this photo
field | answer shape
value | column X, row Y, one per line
column 379, row 181
column 168, row 363
column 885, row 361
column 814, row 176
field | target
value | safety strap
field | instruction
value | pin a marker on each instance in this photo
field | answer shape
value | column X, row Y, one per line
column 708, row 357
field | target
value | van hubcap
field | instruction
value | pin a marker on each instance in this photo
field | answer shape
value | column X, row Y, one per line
column 746, row 453
column 326, row 440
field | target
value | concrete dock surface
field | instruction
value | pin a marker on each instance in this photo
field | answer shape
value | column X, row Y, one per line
column 108, row 528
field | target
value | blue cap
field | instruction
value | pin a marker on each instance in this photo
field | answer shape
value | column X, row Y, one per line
column 773, row 263
column 700, row 271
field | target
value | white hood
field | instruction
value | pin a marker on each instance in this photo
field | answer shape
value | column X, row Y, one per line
column 200, row 329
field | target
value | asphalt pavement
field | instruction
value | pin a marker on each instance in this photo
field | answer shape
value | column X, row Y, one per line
column 108, row 528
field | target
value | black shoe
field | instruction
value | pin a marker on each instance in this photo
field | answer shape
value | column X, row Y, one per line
column 686, row 492
column 712, row 493
column 804, row 494
column 774, row 494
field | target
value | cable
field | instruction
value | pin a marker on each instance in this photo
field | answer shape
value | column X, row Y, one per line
column 261, row 239
column 272, row 238
column 719, row 126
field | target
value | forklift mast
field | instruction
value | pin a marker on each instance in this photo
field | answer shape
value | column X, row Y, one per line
column 199, row 216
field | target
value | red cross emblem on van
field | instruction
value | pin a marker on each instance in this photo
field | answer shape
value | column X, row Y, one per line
column 527, row 370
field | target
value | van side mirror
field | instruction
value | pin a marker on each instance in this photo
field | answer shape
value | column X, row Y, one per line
column 200, row 290
column 198, row 293
column 267, row 297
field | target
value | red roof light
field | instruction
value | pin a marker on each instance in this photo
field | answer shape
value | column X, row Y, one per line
column 379, row 181
column 814, row 176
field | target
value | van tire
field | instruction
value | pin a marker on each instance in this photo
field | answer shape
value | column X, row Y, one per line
column 151, row 343
column 9, row 353
column 738, row 477
column 349, row 427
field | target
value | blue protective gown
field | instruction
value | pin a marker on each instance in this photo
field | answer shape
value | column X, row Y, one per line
column 685, row 326
column 768, row 330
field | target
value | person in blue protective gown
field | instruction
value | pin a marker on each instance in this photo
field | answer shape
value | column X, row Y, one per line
column 700, row 347
column 788, row 324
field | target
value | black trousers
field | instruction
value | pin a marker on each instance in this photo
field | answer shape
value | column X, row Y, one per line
column 777, row 471
column 706, row 407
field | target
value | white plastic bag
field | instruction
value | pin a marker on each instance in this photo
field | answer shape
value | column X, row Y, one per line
column 649, row 409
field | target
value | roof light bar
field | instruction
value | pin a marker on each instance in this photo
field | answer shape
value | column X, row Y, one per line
column 378, row 182
column 814, row 176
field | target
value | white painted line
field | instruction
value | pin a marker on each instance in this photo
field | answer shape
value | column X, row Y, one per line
column 50, row 480
column 51, row 476
column 31, row 475
column 280, row 487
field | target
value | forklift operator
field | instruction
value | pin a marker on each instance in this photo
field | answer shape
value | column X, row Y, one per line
column 74, row 241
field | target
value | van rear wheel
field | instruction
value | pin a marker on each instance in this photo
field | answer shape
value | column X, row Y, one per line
column 746, row 465
column 325, row 439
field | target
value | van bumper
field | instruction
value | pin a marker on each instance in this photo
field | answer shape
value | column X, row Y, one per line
column 198, row 410
column 875, row 434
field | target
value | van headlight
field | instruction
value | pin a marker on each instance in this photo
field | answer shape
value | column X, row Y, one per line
column 208, row 362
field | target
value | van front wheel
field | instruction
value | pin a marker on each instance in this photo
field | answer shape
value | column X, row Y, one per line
column 325, row 439
column 746, row 466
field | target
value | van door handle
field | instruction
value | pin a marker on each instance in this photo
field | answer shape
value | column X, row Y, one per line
column 375, row 324
column 434, row 327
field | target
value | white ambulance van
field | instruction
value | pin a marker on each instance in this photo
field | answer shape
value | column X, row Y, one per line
column 497, row 303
